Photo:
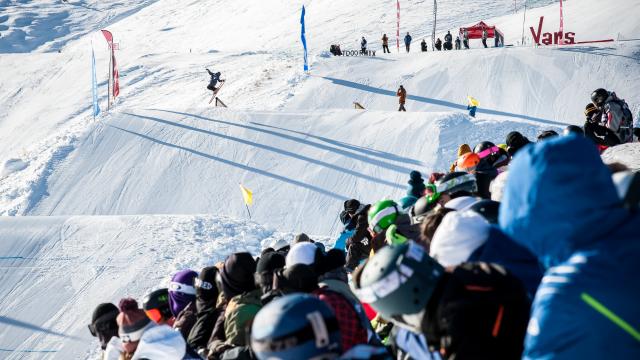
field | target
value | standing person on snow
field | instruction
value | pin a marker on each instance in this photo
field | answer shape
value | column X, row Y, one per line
column 407, row 41
column 615, row 113
column 438, row 44
column 385, row 44
column 465, row 38
column 485, row 35
column 457, row 42
column 423, row 45
column 402, row 95
column 215, row 78
column 586, row 306
column 363, row 46
column 448, row 41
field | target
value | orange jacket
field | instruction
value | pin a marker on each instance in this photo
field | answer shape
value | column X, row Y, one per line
column 402, row 93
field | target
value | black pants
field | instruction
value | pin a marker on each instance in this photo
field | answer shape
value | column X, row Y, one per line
column 385, row 49
column 484, row 42
column 363, row 50
column 402, row 108
column 466, row 44
column 407, row 45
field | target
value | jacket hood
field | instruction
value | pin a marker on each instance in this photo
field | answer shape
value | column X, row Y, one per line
column 559, row 198
column 161, row 342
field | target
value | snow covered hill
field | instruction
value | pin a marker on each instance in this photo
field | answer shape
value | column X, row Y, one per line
column 55, row 270
column 164, row 166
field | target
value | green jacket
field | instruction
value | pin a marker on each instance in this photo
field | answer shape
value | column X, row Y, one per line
column 238, row 315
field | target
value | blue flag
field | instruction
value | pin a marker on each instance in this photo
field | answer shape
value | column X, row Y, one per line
column 94, row 85
column 304, row 41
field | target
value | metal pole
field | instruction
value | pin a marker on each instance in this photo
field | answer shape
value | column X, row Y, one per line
column 524, row 16
column 249, row 212
column 435, row 18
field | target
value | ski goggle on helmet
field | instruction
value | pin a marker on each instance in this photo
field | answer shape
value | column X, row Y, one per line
column 296, row 326
column 397, row 282
column 156, row 305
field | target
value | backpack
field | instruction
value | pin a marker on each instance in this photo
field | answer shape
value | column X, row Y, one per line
column 482, row 313
column 625, row 131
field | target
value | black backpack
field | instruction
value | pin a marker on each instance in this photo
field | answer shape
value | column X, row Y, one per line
column 481, row 313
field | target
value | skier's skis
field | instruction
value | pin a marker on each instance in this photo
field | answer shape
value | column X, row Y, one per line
column 215, row 92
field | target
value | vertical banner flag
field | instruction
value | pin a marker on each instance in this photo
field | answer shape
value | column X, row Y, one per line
column 114, row 70
column 398, row 24
column 304, row 40
column 561, row 23
column 94, row 84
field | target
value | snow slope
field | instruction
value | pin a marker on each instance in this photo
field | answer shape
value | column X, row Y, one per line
column 55, row 270
column 293, row 139
column 301, row 166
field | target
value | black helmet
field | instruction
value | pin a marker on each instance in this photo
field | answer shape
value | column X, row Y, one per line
column 421, row 208
column 398, row 282
column 483, row 146
column 488, row 209
column 156, row 305
column 573, row 129
column 218, row 73
column 599, row 96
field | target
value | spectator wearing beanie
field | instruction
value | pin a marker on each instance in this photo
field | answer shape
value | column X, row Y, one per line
column 181, row 290
column 415, row 190
column 182, row 296
column 103, row 324
column 463, row 149
column 142, row 339
column 236, row 280
column 267, row 265
column 304, row 253
column 302, row 237
column 207, row 312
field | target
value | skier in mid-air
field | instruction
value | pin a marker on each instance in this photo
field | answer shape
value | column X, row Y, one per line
column 215, row 78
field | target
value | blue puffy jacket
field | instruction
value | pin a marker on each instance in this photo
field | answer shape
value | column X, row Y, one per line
column 560, row 203
column 514, row 257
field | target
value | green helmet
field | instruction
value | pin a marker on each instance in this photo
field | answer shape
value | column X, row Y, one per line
column 382, row 215
column 398, row 280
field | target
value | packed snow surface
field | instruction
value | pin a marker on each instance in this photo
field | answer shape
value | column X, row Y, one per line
column 111, row 187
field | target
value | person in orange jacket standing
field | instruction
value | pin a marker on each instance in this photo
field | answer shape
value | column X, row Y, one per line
column 402, row 93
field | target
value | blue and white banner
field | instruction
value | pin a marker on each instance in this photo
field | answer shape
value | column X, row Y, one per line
column 94, row 84
column 304, row 41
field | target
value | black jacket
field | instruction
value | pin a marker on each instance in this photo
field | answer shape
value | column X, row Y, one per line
column 203, row 327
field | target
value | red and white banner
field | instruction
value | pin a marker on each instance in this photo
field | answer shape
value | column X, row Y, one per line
column 114, row 69
column 398, row 27
column 561, row 19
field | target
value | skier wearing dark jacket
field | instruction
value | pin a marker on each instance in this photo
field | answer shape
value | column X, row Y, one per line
column 215, row 78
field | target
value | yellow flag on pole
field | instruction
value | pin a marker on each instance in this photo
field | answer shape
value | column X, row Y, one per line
column 247, row 195
column 473, row 101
